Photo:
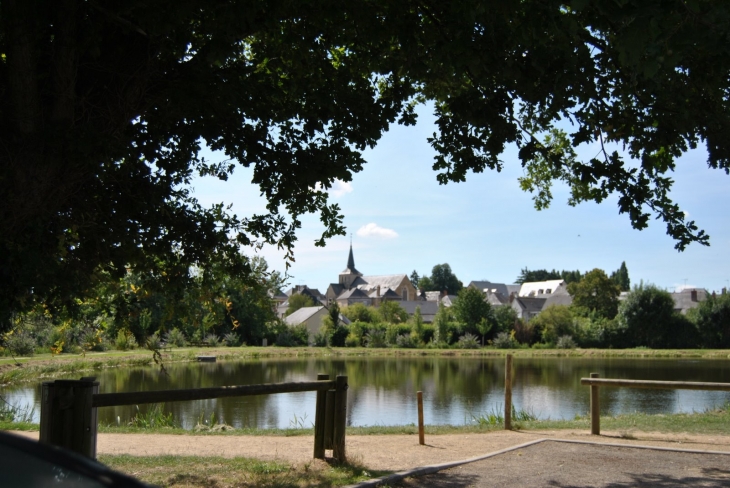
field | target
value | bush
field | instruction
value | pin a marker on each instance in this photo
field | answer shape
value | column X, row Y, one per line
column 212, row 340
column 375, row 338
column 565, row 342
column 293, row 336
column 320, row 339
column 407, row 341
column 20, row 343
column 427, row 333
column 393, row 331
column 231, row 339
column 153, row 342
column 93, row 340
column 468, row 341
column 505, row 340
column 125, row 340
column 176, row 338
column 352, row 340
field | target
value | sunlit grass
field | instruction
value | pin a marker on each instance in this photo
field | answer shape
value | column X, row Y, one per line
column 240, row 472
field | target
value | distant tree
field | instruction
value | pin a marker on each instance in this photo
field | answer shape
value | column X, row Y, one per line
column 417, row 321
column 621, row 277
column 414, row 279
column 712, row 318
column 357, row 312
column 445, row 280
column 298, row 301
column 529, row 276
column 554, row 322
column 647, row 318
column 596, row 293
column 391, row 312
column 505, row 317
column 426, row 284
column 473, row 312
column 441, row 324
column 333, row 311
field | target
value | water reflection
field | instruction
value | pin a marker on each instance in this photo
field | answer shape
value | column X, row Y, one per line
column 383, row 390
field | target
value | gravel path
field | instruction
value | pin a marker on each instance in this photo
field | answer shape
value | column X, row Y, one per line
column 573, row 465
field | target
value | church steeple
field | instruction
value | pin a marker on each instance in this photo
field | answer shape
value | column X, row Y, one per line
column 351, row 262
column 350, row 273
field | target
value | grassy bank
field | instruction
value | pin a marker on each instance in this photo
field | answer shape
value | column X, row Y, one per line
column 18, row 370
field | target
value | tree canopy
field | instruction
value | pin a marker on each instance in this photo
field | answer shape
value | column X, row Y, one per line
column 596, row 293
column 106, row 106
column 528, row 276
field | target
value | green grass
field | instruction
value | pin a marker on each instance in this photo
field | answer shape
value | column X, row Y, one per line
column 240, row 472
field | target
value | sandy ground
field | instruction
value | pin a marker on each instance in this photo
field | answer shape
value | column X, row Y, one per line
column 381, row 452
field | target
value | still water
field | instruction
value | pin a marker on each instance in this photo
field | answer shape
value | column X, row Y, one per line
column 383, row 390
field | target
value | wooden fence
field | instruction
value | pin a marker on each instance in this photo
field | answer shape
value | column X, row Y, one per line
column 595, row 383
column 69, row 418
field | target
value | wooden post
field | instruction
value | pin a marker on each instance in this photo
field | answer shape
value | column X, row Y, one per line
column 67, row 417
column 421, row 437
column 595, row 408
column 508, row 392
column 319, row 420
column 340, row 417
column 329, row 418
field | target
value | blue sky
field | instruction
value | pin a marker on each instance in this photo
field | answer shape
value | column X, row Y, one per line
column 401, row 219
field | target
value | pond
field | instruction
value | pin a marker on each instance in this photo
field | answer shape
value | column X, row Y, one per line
column 383, row 389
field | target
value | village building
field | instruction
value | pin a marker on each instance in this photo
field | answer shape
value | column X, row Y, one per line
column 354, row 287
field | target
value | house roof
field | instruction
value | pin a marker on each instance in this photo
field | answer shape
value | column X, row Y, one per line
column 557, row 299
column 531, row 304
column 683, row 299
column 385, row 281
column 500, row 288
column 352, row 293
column 301, row 315
column 534, row 288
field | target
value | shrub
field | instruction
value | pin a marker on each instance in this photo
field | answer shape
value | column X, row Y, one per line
column 427, row 333
column 20, row 343
column 293, row 336
column 393, row 331
column 93, row 340
column 505, row 340
column 320, row 339
column 352, row 340
column 468, row 341
column 375, row 338
column 408, row 341
column 176, row 338
column 231, row 339
column 154, row 342
column 565, row 342
column 212, row 340
column 125, row 340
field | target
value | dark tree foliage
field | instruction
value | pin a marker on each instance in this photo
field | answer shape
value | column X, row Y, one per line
column 621, row 277
column 414, row 279
column 105, row 106
column 473, row 312
column 528, row 276
column 712, row 318
column 443, row 279
column 647, row 318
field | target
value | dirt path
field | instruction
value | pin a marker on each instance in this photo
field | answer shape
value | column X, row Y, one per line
column 379, row 452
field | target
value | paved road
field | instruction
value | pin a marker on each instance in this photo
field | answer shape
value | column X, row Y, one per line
column 573, row 465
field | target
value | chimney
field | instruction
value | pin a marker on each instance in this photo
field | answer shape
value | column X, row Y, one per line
column 377, row 292
column 724, row 290
column 444, row 293
column 693, row 294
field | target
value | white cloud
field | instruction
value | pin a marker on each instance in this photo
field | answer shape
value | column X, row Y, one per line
column 374, row 230
column 340, row 188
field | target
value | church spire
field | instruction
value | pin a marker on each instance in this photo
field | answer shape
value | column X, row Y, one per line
column 351, row 261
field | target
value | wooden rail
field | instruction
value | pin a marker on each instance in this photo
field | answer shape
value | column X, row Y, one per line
column 595, row 383
column 69, row 419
